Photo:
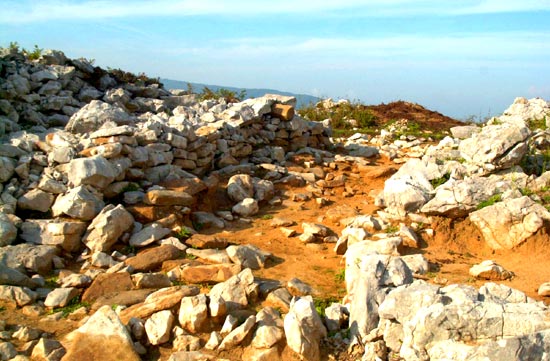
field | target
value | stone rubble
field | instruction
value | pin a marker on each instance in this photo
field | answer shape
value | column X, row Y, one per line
column 111, row 171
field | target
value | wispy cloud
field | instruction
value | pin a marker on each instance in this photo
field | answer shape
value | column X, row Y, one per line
column 25, row 11
column 498, row 47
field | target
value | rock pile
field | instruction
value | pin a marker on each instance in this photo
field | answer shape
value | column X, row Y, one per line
column 108, row 171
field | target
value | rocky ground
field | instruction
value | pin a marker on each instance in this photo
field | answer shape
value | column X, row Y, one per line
column 138, row 223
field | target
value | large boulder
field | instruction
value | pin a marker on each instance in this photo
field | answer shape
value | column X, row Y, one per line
column 417, row 319
column 496, row 146
column 107, row 227
column 507, row 224
column 523, row 110
column 7, row 169
column 410, row 188
column 102, row 336
column 80, row 203
column 304, row 329
column 367, row 279
column 240, row 187
column 8, row 231
column 535, row 346
column 36, row 200
column 24, row 256
column 95, row 171
column 66, row 234
column 90, row 117
column 457, row 198
column 231, row 294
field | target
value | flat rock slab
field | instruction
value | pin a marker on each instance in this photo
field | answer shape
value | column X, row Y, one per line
column 123, row 298
column 190, row 186
column 205, row 241
column 107, row 284
column 163, row 299
column 25, row 256
column 164, row 197
column 208, row 273
column 153, row 258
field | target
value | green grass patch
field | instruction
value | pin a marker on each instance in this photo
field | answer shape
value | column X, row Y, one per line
column 73, row 305
column 228, row 95
column 439, row 181
column 489, row 202
column 51, row 282
column 127, row 249
column 340, row 276
column 322, row 303
column 183, row 233
column 346, row 118
column 534, row 124
column 131, row 187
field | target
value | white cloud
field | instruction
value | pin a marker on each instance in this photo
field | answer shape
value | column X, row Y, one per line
column 490, row 47
column 25, row 11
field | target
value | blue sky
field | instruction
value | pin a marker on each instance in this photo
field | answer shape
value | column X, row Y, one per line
column 461, row 58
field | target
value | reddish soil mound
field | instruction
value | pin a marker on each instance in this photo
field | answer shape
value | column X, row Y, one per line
column 428, row 119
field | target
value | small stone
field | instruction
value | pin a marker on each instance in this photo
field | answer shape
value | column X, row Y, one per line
column 238, row 335
column 60, row 297
column 544, row 289
column 287, row 232
column 213, row 341
column 298, row 287
column 490, row 270
column 246, row 208
column 193, row 313
column 159, row 326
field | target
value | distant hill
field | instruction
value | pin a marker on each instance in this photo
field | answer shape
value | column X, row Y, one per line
column 301, row 99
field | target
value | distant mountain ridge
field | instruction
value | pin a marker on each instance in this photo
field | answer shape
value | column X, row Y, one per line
column 301, row 99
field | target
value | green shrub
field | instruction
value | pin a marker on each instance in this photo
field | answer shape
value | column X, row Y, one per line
column 34, row 54
column 341, row 116
column 489, row 202
column 439, row 181
column 183, row 233
column 228, row 95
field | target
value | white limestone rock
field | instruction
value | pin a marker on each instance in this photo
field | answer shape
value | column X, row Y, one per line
column 490, row 270
column 193, row 313
column 79, row 203
column 107, row 227
column 496, row 146
column 102, row 328
column 159, row 326
column 36, row 200
column 60, row 297
column 233, row 293
column 95, row 171
column 246, row 208
column 304, row 329
column 236, row 336
column 269, row 328
column 240, row 187
column 507, row 224
column 90, row 117
column 248, row 256
column 8, row 231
